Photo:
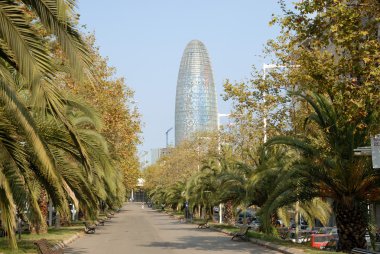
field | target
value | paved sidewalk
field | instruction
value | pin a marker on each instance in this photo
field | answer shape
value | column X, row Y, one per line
column 269, row 245
column 135, row 230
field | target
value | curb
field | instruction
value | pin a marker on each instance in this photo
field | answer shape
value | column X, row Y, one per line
column 268, row 245
column 64, row 243
column 276, row 247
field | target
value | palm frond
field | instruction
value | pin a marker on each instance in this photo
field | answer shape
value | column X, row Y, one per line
column 16, row 168
column 316, row 209
column 30, row 55
column 8, row 210
column 303, row 146
column 86, row 110
column 7, row 55
column 47, row 171
column 54, row 16
column 310, row 99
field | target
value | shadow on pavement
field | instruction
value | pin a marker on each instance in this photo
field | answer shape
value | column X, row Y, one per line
column 216, row 244
column 76, row 250
column 187, row 228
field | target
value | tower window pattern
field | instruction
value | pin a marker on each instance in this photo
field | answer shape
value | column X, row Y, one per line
column 196, row 108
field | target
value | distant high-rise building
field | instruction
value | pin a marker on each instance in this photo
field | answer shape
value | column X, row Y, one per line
column 157, row 153
column 195, row 108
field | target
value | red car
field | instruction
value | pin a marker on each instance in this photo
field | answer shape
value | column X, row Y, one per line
column 319, row 241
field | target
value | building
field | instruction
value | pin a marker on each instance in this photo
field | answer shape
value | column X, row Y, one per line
column 195, row 108
column 138, row 193
column 157, row 153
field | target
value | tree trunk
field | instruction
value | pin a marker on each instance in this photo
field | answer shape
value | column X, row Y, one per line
column 229, row 214
column 42, row 227
column 351, row 222
column 65, row 219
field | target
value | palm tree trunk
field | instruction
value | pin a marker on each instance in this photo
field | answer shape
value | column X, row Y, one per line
column 351, row 221
column 41, row 227
column 229, row 215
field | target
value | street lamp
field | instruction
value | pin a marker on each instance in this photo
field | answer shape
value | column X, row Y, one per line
column 220, row 204
column 265, row 68
column 167, row 136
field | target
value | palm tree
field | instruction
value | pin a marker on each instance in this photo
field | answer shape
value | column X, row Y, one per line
column 157, row 195
column 174, row 195
column 246, row 183
column 203, row 188
column 26, row 82
column 24, row 52
column 312, row 210
column 104, row 182
column 326, row 167
column 12, row 172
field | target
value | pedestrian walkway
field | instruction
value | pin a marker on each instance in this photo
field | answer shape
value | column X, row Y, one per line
column 135, row 230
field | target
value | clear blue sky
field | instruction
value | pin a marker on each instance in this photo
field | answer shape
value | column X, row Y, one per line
column 145, row 39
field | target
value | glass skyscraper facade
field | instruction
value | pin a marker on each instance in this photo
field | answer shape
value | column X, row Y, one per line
column 195, row 108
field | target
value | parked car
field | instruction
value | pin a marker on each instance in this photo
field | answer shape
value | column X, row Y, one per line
column 248, row 215
column 328, row 230
column 255, row 224
column 320, row 241
column 303, row 236
column 332, row 244
column 279, row 223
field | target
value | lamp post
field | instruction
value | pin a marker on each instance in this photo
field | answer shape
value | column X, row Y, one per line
column 265, row 68
column 167, row 136
column 220, row 204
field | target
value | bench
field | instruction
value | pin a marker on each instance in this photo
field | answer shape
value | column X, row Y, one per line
column 100, row 222
column 361, row 251
column 88, row 228
column 44, row 248
column 242, row 234
column 203, row 224
column 109, row 216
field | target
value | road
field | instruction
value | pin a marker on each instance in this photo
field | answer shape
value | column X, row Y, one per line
column 143, row 231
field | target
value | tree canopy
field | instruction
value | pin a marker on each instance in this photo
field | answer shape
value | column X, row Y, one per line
column 52, row 142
